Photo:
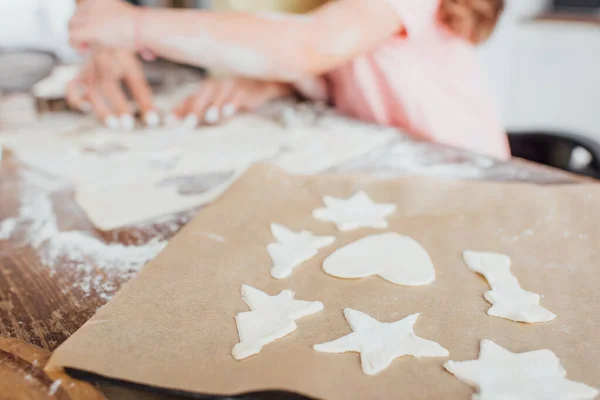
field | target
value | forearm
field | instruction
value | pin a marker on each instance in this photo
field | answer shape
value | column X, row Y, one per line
column 279, row 47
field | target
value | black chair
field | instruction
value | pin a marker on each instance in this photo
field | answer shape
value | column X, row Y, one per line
column 569, row 152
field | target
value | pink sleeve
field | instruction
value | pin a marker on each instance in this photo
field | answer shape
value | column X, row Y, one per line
column 415, row 14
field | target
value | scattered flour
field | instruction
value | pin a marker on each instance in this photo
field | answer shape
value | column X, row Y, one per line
column 54, row 387
column 213, row 236
column 91, row 259
column 7, row 227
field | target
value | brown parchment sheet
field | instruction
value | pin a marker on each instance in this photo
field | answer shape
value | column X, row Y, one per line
column 172, row 326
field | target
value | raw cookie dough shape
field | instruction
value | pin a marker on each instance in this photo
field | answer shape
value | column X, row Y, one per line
column 379, row 343
column 271, row 318
column 293, row 248
column 358, row 211
column 507, row 298
column 534, row 375
column 393, row 257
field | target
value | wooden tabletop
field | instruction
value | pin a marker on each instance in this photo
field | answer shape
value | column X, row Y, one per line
column 43, row 304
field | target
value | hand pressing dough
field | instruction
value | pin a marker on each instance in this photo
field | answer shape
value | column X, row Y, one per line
column 379, row 343
column 292, row 249
column 393, row 257
column 358, row 211
column 508, row 299
column 271, row 318
column 534, row 375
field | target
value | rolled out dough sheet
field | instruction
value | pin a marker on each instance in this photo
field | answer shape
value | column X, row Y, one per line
column 114, row 206
column 179, row 310
column 114, row 172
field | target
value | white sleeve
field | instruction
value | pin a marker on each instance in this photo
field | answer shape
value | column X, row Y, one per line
column 37, row 25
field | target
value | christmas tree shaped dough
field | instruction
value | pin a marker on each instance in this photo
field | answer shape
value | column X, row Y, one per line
column 534, row 375
column 358, row 211
column 292, row 249
column 508, row 299
column 379, row 343
column 270, row 318
column 393, row 257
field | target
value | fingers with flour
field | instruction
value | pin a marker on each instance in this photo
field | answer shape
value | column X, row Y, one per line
column 221, row 102
column 75, row 96
column 196, row 106
column 101, row 109
column 118, row 103
column 140, row 90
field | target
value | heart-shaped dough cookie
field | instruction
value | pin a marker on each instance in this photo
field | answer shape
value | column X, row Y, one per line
column 393, row 257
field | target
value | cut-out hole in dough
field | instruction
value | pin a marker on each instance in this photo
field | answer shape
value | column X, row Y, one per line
column 293, row 248
column 534, row 375
column 198, row 184
column 358, row 211
column 393, row 257
column 270, row 318
column 379, row 343
column 508, row 299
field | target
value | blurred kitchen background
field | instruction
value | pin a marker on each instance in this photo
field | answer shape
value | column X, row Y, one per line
column 543, row 62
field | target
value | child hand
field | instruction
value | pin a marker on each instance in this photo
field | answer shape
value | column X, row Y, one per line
column 109, row 23
column 98, row 88
column 220, row 99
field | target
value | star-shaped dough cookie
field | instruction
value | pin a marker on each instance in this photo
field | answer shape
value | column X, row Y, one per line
column 534, row 375
column 358, row 211
column 379, row 343
column 271, row 318
column 293, row 248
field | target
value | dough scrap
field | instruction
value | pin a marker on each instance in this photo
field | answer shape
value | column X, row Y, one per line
column 358, row 211
column 292, row 249
column 534, row 375
column 317, row 149
column 113, row 206
column 393, row 257
column 379, row 343
column 507, row 298
column 270, row 318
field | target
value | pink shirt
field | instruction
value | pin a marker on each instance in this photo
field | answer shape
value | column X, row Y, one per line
column 428, row 82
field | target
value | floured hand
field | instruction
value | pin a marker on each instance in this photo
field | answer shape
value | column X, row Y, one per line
column 98, row 89
column 109, row 23
column 217, row 100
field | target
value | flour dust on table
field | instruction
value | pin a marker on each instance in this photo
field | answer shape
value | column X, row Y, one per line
column 396, row 258
column 118, row 165
column 292, row 249
column 509, row 300
column 533, row 375
column 357, row 211
column 380, row 343
column 95, row 262
column 270, row 318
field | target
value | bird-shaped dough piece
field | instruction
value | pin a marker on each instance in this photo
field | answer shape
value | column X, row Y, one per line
column 293, row 248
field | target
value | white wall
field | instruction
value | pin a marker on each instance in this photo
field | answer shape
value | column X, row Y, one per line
column 545, row 73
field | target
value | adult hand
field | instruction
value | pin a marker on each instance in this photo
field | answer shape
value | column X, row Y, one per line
column 107, row 23
column 217, row 100
column 98, row 89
